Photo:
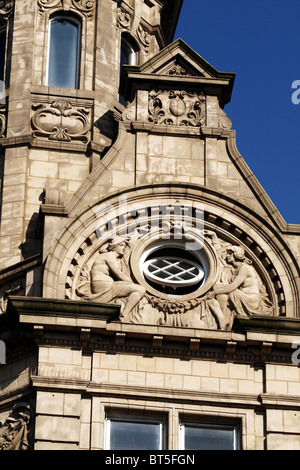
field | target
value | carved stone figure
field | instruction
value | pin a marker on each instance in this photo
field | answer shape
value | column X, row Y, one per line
column 108, row 281
column 14, row 431
column 240, row 291
column 13, row 288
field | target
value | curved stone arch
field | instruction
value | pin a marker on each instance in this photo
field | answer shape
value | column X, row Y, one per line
column 226, row 217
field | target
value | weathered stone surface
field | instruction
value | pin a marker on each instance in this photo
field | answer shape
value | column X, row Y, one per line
column 90, row 327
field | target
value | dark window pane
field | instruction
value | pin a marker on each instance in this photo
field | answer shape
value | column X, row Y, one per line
column 135, row 435
column 2, row 53
column 209, row 438
column 63, row 67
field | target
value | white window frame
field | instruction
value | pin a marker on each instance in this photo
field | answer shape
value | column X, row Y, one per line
column 181, row 246
column 132, row 53
column 173, row 279
column 72, row 19
column 136, row 419
column 234, row 427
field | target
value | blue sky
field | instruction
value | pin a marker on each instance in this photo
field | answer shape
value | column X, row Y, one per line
column 260, row 42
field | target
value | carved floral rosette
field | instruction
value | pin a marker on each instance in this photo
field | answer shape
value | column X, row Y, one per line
column 62, row 121
column 195, row 309
column 86, row 7
column 177, row 108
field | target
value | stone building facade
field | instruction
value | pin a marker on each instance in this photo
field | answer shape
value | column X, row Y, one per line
column 149, row 287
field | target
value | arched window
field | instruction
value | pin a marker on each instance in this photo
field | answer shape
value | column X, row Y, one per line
column 128, row 57
column 2, row 52
column 64, row 52
column 128, row 54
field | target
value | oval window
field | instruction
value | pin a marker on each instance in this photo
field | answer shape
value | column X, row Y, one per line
column 173, row 271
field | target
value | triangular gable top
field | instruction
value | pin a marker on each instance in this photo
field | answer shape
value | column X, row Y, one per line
column 181, row 54
column 174, row 62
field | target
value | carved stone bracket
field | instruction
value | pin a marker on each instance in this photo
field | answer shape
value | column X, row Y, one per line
column 61, row 121
column 6, row 8
column 178, row 108
column 86, row 7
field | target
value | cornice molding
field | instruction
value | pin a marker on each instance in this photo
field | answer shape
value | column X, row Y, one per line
column 165, row 394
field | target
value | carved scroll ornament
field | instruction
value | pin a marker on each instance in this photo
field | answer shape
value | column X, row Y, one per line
column 177, row 108
column 61, row 121
column 123, row 19
column 144, row 38
column 6, row 7
column 86, row 7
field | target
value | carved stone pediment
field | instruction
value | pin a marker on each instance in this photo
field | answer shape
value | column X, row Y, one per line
column 178, row 59
column 180, row 67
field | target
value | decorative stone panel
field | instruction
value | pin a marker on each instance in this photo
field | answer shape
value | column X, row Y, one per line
column 61, row 120
column 177, row 107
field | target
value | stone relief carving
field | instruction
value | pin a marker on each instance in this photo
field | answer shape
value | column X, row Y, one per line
column 61, row 121
column 6, row 7
column 178, row 70
column 108, row 279
column 178, row 108
column 16, row 287
column 123, row 19
column 14, row 431
column 144, row 38
column 2, row 120
column 237, row 290
column 86, row 7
